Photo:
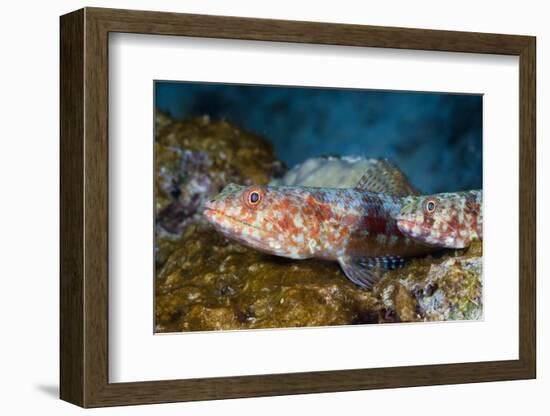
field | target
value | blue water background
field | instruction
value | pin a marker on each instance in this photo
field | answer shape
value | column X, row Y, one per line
column 435, row 138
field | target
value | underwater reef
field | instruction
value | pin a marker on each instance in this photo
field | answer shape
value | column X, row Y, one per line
column 206, row 282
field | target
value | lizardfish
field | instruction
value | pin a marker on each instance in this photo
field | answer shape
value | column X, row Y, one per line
column 450, row 220
column 359, row 229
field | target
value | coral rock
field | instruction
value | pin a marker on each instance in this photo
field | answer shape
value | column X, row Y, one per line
column 210, row 283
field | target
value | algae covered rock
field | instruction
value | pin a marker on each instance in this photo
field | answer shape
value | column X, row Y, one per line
column 436, row 288
column 210, row 283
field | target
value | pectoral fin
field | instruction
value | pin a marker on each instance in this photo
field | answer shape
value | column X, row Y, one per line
column 365, row 272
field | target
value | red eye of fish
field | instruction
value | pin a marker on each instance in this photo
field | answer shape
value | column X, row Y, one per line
column 253, row 197
column 429, row 206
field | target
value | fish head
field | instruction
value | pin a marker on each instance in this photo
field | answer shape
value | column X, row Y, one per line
column 260, row 217
column 434, row 220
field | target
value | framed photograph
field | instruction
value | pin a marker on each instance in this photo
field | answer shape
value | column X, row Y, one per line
column 255, row 207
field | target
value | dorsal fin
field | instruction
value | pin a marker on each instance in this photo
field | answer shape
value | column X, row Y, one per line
column 383, row 177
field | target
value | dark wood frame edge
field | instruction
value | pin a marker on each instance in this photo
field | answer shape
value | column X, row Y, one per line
column 84, row 207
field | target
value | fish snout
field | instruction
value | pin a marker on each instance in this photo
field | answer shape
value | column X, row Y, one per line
column 209, row 211
column 208, row 205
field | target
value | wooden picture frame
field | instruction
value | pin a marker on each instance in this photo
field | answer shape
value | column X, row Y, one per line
column 84, row 207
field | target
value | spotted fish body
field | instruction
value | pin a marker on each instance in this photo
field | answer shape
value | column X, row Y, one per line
column 450, row 220
column 302, row 222
column 359, row 227
column 355, row 227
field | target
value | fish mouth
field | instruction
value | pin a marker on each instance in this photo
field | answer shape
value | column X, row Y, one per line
column 405, row 225
column 208, row 205
column 211, row 214
column 411, row 229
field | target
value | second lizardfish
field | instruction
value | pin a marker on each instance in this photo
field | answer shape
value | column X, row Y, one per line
column 450, row 220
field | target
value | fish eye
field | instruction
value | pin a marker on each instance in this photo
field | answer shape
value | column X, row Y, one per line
column 253, row 198
column 430, row 206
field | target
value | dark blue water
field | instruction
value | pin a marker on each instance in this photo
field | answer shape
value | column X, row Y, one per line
column 435, row 138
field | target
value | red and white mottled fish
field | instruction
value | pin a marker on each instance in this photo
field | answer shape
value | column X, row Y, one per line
column 451, row 220
column 356, row 227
